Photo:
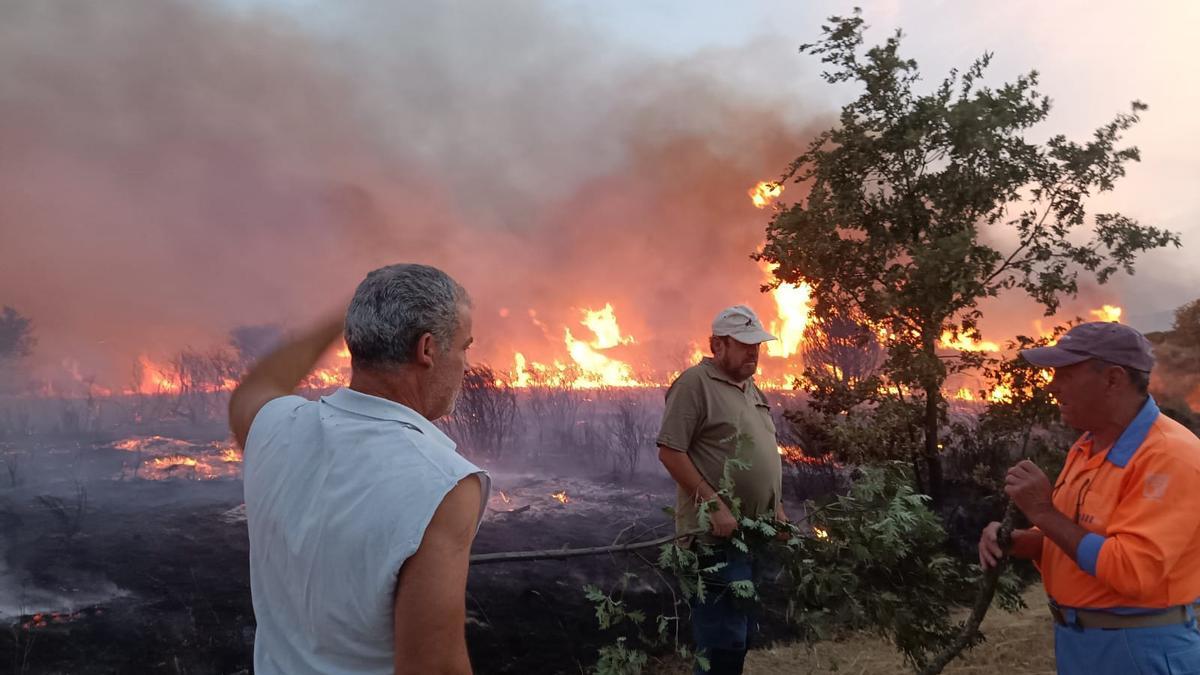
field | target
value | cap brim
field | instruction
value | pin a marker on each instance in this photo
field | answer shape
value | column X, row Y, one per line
column 753, row 337
column 1053, row 357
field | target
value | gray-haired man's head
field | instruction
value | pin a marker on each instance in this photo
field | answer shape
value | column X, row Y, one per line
column 394, row 306
column 412, row 322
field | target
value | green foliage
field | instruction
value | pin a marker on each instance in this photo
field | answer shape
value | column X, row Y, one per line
column 908, row 193
column 618, row 659
column 610, row 610
column 880, row 568
column 612, row 613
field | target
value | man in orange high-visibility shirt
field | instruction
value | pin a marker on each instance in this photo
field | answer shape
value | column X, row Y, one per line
column 1117, row 537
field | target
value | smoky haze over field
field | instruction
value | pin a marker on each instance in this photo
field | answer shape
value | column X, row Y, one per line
column 172, row 170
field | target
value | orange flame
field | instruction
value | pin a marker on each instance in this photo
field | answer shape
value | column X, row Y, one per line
column 592, row 368
column 154, row 378
column 504, row 497
column 764, row 193
column 793, row 303
column 171, row 461
column 821, row 533
column 965, row 344
column 561, row 497
column 336, row 374
column 794, row 454
column 175, row 458
column 44, row 619
column 1003, row 393
column 1106, row 313
column 231, row 455
column 150, row 444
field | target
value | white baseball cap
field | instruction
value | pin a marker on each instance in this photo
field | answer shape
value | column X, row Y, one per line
column 740, row 323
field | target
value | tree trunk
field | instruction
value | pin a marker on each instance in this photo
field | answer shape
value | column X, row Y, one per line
column 933, row 398
column 916, row 465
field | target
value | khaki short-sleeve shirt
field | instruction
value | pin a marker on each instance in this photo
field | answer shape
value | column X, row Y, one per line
column 712, row 419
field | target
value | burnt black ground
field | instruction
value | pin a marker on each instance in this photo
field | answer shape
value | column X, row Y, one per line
column 181, row 566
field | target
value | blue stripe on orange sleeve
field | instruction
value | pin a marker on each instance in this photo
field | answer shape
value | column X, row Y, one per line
column 1088, row 552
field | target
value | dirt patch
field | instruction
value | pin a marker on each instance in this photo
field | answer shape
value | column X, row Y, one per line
column 1019, row 642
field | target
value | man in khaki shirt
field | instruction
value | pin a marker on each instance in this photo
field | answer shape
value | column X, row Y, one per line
column 714, row 413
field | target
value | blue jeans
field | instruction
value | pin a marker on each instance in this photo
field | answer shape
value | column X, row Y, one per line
column 1160, row 650
column 721, row 624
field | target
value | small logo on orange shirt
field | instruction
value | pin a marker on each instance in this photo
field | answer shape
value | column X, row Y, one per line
column 1155, row 486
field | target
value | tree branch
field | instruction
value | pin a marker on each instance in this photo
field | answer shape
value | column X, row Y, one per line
column 561, row 553
column 1037, row 228
column 983, row 600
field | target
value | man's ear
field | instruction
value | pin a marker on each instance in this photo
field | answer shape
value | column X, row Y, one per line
column 426, row 349
column 1115, row 376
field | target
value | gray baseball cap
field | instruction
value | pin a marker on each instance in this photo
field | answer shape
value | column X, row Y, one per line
column 740, row 323
column 1104, row 340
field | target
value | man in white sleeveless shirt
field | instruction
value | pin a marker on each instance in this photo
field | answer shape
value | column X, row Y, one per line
column 361, row 514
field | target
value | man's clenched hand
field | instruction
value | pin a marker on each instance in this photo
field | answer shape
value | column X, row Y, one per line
column 1030, row 490
column 722, row 520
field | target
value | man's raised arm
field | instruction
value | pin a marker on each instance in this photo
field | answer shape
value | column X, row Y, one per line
column 279, row 373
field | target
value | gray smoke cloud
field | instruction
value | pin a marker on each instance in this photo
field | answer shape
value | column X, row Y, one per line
column 171, row 170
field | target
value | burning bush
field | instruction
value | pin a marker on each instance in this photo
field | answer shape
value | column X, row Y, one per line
column 631, row 431
column 486, row 414
column 556, row 409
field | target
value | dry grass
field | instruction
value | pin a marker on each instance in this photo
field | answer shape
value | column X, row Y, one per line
column 1022, row 642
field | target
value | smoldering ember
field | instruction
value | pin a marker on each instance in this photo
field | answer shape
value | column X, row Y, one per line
column 187, row 185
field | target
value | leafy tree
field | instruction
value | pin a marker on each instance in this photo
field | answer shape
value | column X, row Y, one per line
column 920, row 205
column 16, row 334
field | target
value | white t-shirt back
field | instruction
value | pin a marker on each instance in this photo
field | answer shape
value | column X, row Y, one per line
column 338, row 495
